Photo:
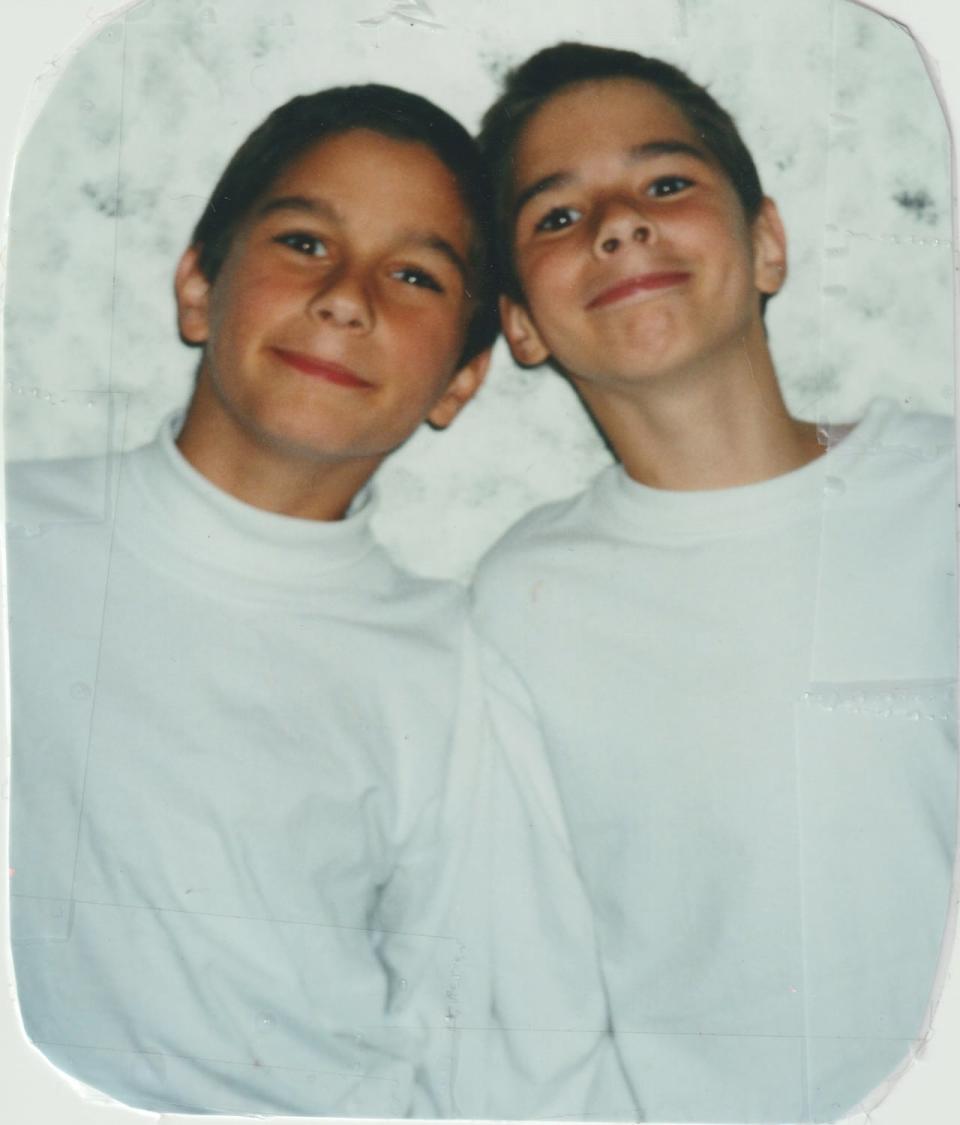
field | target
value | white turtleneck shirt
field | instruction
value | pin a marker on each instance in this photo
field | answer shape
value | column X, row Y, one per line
column 747, row 697
column 255, row 816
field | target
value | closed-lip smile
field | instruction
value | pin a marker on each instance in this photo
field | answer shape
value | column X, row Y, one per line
column 639, row 283
column 322, row 369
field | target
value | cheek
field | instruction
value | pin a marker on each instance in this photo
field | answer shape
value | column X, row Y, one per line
column 449, row 318
column 425, row 340
column 235, row 306
column 740, row 272
column 731, row 240
column 548, row 280
column 253, row 291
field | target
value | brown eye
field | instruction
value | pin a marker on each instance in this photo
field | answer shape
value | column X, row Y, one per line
column 668, row 185
column 558, row 218
column 303, row 243
column 414, row 275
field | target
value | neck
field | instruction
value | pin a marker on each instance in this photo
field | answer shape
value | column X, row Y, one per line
column 265, row 474
column 720, row 424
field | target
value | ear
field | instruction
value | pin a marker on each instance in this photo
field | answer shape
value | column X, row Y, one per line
column 526, row 344
column 769, row 249
column 461, row 388
column 193, row 298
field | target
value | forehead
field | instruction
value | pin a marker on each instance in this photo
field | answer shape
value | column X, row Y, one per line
column 598, row 115
column 364, row 154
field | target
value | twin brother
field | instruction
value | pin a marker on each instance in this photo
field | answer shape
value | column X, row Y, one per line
column 661, row 828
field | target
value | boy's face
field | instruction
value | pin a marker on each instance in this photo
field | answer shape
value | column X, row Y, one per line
column 336, row 322
column 632, row 247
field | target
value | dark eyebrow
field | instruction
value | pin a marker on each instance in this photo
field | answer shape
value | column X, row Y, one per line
column 442, row 246
column 644, row 151
column 668, row 148
column 548, row 183
column 302, row 203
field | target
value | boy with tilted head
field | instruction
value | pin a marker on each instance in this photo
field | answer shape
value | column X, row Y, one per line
column 740, row 640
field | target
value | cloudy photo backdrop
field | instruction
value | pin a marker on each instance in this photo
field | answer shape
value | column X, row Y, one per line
column 833, row 100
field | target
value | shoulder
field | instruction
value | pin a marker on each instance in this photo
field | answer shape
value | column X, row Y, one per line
column 545, row 533
column 899, row 452
column 66, row 490
column 415, row 598
column 58, row 517
column 420, row 620
column 520, row 551
column 546, row 555
column 928, row 436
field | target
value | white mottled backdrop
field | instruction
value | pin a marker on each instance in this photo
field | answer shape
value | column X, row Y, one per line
column 833, row 100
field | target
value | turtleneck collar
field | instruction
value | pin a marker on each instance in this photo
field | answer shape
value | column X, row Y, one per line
column 169, row 506
column 700, row 514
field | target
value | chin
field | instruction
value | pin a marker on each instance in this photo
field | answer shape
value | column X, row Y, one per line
column 638, row 363
column 291, row 438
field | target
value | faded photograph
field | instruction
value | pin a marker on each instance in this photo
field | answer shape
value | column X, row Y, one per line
column 481, row 559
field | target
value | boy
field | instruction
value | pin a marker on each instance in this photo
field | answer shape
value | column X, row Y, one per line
column 245, row 784
column 740, row 640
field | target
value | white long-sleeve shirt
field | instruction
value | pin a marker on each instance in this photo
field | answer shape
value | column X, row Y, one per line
column 747, row 698
column 252, row 805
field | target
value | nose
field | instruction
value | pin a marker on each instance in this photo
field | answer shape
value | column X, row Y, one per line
column 620, row 223
column 342, row 302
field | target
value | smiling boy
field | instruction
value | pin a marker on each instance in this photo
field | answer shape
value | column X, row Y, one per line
column 242, row 775
column 740, row 640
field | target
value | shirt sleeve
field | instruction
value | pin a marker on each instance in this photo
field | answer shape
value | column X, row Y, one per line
column 432, row 918
column 486, row 934
column 548, row 1051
